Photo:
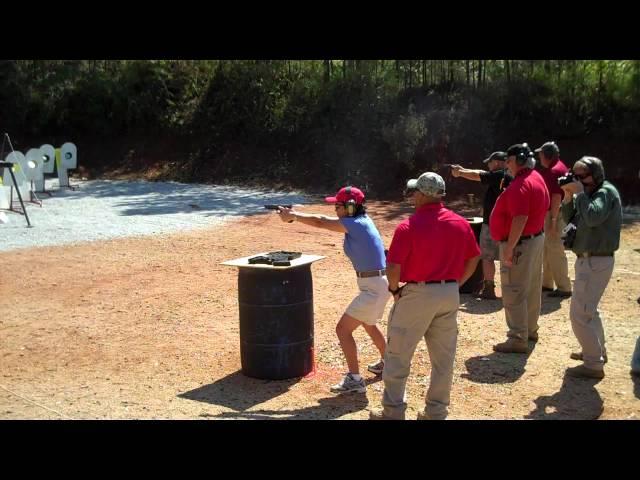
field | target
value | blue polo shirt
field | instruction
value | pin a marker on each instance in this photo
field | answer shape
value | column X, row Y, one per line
column 363, row 244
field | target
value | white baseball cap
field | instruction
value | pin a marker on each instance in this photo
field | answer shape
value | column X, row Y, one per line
column 429, row 183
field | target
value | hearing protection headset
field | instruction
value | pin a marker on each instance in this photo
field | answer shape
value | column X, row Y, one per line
column 350, row 205
column 523, row 154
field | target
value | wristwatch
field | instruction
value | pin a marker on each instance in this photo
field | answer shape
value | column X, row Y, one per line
column 393, row 292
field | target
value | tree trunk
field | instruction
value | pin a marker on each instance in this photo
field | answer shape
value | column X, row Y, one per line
column 560, row 66
column 424, row 73
column 468, row 71
column 327, row 71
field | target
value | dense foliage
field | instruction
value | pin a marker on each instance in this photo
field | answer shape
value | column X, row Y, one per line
column 322, row 123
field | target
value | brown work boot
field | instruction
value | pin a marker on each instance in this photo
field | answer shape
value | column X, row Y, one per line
column 488, row 290
column 578, row 356
column 583, row 372
column 424, row 416
column 533, row 337
column 512, row 346
column 378, row 414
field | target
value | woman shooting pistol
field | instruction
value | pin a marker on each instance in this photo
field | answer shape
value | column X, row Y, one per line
column 363, row 246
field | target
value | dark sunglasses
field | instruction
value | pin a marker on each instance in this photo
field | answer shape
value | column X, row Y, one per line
column 582, row 177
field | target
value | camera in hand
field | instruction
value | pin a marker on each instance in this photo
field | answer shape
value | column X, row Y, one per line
column 566, row 179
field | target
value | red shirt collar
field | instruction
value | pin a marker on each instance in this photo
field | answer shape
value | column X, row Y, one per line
column 430, row 206
column 523, row 171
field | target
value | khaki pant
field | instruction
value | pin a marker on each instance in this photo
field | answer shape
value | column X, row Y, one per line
column 555, row 268
column 592, row 277
column 429, row 312
column 522, row 288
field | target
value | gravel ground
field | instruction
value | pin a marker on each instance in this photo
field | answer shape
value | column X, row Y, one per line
column 105, row 209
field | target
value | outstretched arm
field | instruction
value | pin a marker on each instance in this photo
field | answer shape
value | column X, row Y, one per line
column 313, row 220
column 458, row 171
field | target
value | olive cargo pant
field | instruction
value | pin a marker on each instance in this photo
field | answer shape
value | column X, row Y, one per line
column 592, row 276
column 555, row 268
column 522, row 288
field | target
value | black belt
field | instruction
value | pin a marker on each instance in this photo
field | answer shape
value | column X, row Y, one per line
column 435, row 281
column 372, row 273
column 529, row 237
column 588, row 254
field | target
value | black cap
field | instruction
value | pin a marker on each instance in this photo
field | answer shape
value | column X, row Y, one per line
column 502, row 156
column 550, row 149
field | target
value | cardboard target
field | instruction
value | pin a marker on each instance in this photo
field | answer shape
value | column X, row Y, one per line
column 49, row 154
column 33, row 169
column 20, row 164
column 69, row 155
column 63, row 176
column 17, row 158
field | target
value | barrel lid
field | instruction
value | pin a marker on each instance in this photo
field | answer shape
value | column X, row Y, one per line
column 303, row 259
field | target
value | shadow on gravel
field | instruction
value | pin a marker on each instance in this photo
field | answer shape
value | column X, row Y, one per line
column 497, row 367
column 241, row 394
column 577, row 400
column 477, row 306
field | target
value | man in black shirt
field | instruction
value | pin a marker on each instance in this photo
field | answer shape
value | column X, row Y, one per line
column 497, row 179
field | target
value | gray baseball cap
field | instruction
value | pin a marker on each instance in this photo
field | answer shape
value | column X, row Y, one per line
column 502, row 156
column 428, row 183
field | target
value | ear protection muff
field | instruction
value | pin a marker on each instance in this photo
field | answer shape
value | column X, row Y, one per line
column 350, row 205
column 596, row 171
column 524, row 155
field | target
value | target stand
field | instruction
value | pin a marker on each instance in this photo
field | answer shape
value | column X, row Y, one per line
column 9, row 166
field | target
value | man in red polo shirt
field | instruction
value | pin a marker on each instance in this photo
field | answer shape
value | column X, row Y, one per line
column 517, row 222
column 555, row 268
column 433, row 252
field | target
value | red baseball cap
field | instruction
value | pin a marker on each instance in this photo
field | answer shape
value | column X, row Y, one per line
column 345, row 194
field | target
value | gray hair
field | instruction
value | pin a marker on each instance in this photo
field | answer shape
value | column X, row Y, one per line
column 531, row 163
column 595, row 167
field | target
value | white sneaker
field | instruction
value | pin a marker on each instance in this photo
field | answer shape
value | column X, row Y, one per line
column 349, row 384
column 376, row 367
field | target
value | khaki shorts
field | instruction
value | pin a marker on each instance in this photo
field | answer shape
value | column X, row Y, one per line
column 368, row 306
column 489, row 247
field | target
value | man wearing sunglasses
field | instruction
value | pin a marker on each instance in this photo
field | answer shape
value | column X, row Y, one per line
column 593, row 205
column 555, row 268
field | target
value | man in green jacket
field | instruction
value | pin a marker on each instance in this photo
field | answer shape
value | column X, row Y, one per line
column 593, row 206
